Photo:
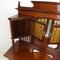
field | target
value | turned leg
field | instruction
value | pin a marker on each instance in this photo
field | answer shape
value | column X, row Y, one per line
column 13, row 46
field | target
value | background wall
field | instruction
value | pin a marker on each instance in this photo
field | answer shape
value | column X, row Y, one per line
column 7, row 10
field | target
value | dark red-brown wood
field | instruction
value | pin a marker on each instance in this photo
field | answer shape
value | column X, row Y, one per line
column 24, row 51
column 20, row 25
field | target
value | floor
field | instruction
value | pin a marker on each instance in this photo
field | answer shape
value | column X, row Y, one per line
column 29, row 51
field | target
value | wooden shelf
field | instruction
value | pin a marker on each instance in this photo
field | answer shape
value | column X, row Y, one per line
column 24, row 51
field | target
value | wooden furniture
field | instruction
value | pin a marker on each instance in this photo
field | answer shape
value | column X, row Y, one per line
column 40, row 24
column 26, row 52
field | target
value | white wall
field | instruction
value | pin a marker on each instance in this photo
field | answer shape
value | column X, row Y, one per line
column 7, row 10
column 27, row 3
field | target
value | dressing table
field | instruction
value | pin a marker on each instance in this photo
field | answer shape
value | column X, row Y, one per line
column 40, row 26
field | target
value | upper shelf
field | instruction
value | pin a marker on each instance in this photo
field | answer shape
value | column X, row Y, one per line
column 39, row 10
column 45, row 2
column 50, row 10
column 45, row 7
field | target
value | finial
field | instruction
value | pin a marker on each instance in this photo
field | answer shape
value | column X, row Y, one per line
column 18, row 4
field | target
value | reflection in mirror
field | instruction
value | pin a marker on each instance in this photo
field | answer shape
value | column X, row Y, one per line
column 53, row 45
column 35, row 50
column 48, row 57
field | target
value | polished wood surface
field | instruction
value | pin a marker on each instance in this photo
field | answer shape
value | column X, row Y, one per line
column 25, row 51
column 31, row 24
column 46, row 6
column 41, row 9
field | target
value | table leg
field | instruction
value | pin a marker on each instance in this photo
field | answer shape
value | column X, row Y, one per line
column 13, row 46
